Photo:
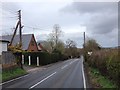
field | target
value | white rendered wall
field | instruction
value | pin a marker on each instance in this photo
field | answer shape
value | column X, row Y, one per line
column 3, row 47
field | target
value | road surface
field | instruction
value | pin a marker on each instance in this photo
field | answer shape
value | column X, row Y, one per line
column 65, row 74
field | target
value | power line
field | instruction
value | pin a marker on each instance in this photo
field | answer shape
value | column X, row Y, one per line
column 37, row 28
column 9, row 13
column 6, row 9
column 8, row 19
column 6, row 29
column 8, row 16
column 33, row 27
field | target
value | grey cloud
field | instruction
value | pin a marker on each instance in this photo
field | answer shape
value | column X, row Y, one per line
column 106, row 40
column 102, row 24
column 90, row 7
column 103, row 15
column 77, row 37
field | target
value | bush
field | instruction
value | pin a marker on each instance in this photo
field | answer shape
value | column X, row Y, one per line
column 113, row 67
column 44, row 57
column 107, row 62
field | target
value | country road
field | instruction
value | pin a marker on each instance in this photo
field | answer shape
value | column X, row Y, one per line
column 65, row 74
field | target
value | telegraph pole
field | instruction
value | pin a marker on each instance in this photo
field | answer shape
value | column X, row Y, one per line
column 20, row 35
column 20, row 27
column 20, row 32
column 84, row 52
column 84, row 39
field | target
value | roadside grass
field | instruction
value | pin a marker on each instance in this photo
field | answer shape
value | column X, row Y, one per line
column 33, row 65
column 99, row 81
column 0, row 77
column 7, row 75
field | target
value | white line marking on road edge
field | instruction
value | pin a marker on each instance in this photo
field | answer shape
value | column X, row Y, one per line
column 73, row 62
column 84, row 81
column 13, row 79
column 64, row 67
column 70, row 62
column 42, row 80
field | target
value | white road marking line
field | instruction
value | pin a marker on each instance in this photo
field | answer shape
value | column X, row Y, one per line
column 73, row 62
column 64, row 66
column 84, row 81
column 42, row 80
column 70, row 62
column 13, row 79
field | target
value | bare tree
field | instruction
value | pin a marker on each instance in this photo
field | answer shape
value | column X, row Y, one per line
column 51, row 44
column 54, row 36
column 71, row 49
column 70, row 43
column 56, row 33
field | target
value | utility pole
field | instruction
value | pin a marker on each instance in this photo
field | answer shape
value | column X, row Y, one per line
column 84, row 51
column 20, row 35
column 84, row 40
column 20, row 27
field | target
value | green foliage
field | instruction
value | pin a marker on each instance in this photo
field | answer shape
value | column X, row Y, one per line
column 91, row 45
column 14, row 49
column 107, row 62
column 60, row 47
column 101, row 80
column 54, row 57
column 6, row 75
column 71, row 49
column 44, row 57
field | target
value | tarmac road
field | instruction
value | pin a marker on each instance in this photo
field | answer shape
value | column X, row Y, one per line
column 66, row 74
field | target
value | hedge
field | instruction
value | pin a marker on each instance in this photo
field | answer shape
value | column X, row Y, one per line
column 44, row 57
column 107, row 62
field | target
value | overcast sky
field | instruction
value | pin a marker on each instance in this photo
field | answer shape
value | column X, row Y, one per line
column 98, row 19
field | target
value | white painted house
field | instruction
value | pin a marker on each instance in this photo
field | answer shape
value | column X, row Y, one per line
column 3, row 46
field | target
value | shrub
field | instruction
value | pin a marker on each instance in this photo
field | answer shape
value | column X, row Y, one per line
column 107, row 62
column 44, row 57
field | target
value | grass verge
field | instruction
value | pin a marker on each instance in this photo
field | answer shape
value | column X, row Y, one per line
column 7, row 75
column 99, row 81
